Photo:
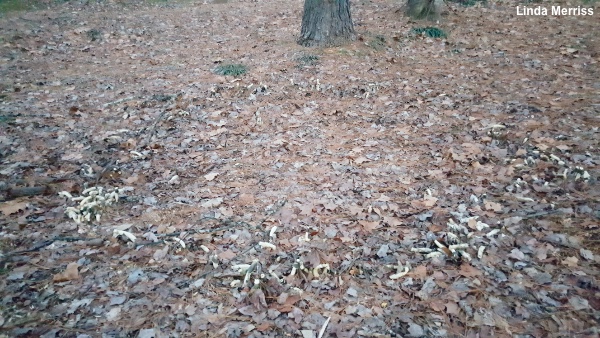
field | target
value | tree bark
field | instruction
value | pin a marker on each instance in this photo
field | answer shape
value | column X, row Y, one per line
column 326, row 23
column 422, row 9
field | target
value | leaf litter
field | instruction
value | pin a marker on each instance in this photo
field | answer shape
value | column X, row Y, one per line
column 451, row 193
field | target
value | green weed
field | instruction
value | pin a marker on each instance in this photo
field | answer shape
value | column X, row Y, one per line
column 7, row 6
column 378, row 42
column 231, row 69
column 6, row 119
column 469, row 3
column 94, row 34
column 307, row 60
column 432, row 32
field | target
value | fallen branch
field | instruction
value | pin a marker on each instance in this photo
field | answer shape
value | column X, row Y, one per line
column 28, row 191
column 44, row 187
column 542, row 213
column 46, row 243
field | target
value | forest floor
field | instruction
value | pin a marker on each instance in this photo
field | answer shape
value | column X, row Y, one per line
column 398, row 186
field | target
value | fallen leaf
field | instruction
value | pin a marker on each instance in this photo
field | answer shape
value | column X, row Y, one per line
column 501, row 323
column 570, row 261
column 468, row 270
column 264, row 326
column 161, row 253
column 227, row 255
column 287, row 305
column 415, row 330
column 308, row 334
column 392, row 221
column 452, row 308
column 563, row 147
column 370, row 226
column 384, row 198
column 113, row 314
column 17, row 273
column 77, row 303
column 212, row 203
column 257, row 298
column 497, row 207
column 330, row 206
column 246, row 199
column 516, row 254
column 211, row 176
column 419, row 272
column 131, row 179
column 147, row 333
column 354, row 209
column 70, row 273
column 437, row 305
column 12, row 207
column 587, row 254
column 361, row 159
column 472, row 223
column 426, row 289
column 306, row 209
column 425, row 203
column 578, row 303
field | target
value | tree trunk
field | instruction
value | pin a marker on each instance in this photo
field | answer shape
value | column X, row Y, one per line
column 422, row 9
column 326, row 23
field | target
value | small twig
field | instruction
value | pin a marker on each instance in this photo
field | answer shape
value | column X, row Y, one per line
column 346, row 268
column 322, row 331
column 20, row 324
column 39, row 266
column 153, row 129
column 118, row 101
column 47, row 243
column 28, row 191
column 542, row 213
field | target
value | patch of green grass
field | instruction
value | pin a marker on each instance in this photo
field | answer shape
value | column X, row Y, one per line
column 469, row 3
column 231, row 69
column 432, row 32
column 94, row 34
column 7, row 6
column 6, row 119
column 307, row 60
column 378, row 42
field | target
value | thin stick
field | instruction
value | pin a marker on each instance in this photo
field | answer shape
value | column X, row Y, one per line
column 324, row 327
